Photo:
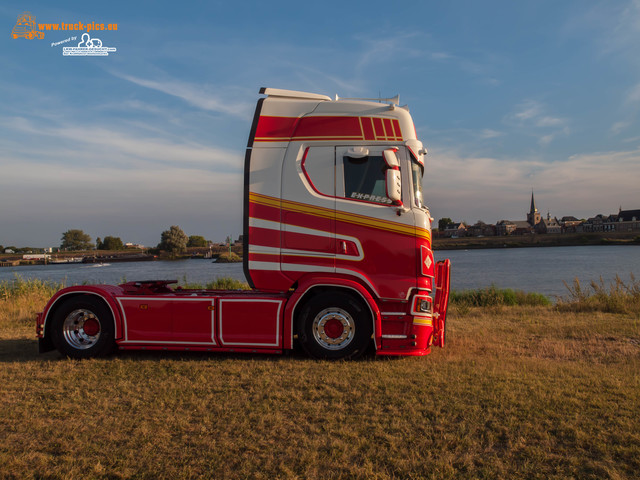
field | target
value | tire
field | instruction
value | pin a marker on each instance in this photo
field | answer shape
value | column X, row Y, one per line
column 83, row 327
column 334, row 326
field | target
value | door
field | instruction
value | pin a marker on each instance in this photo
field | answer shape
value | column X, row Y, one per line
column 308, row 211
column 375, row 240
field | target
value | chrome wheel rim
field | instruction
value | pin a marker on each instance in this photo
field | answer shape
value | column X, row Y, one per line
column 81, row 329
column 333, row 328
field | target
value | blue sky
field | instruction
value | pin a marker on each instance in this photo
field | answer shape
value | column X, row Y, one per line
column 507, row 96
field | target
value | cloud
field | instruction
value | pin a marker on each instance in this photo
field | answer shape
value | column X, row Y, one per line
column 379, row 49
column 491, row 189
column 546, row 139
column 624, row 32
column 634, row 94
column 488, row 134
column 96, row 144
column 619, row 127
column 113, row 179
column 195, row 95
column 527, row 110
column 531, row 117
column 614, row 28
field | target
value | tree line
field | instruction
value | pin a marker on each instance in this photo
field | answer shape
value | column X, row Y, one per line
column 173, row 240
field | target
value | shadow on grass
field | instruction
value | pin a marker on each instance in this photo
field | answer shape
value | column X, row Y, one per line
column 25, row 350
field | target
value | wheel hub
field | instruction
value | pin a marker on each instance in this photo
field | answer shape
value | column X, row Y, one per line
column 333, row 328
column 81, row 329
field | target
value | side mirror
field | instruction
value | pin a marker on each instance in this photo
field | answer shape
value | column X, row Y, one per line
column 392, row 179
column 394, row 186
column 390, row 157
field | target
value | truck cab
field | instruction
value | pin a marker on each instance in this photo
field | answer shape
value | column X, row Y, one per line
column 334, row 188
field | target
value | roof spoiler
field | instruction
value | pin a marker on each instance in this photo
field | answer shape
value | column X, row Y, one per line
column 277, row 92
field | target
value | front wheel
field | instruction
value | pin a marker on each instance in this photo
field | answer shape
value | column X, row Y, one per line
column 334, row 326
column 83, row 328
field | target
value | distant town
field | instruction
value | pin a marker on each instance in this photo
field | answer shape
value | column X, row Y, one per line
column 624, row 221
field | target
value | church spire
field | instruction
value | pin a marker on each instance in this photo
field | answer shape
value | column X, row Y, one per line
column 533, row 217
column 533, row 205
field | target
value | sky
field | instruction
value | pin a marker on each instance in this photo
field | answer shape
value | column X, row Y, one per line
column 509, row 98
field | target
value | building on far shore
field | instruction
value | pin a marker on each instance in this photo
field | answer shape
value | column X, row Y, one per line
column 623, row 221
column 534, row 223
column 455, row 230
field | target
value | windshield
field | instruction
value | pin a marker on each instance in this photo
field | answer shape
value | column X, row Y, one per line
column 416, row 178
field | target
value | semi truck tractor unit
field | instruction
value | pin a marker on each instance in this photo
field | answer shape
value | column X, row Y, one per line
column 337, row 249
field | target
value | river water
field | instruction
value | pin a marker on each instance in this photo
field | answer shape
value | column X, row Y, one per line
column 540, row 270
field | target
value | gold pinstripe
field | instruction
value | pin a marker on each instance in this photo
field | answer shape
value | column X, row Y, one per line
column 352, row 218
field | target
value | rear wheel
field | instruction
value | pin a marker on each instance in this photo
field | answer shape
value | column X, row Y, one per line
column 334, row 326
column 83, row 327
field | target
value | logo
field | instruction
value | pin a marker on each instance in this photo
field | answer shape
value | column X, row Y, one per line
column 26, row 27
column 88, row 47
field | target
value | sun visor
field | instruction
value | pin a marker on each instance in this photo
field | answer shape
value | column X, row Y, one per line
column 418, row 152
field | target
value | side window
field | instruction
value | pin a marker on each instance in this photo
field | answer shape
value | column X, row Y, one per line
column 318, row 166
column 364, row 179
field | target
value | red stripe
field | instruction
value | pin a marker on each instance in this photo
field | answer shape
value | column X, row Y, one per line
column 303, row 219
column 313, row 243
column 367, row 128
column 329, row 127
column 310, row 260
column 264, row 212
column 264, row 257
column 264, row 236
column 271, row 128
column 378, row 130
column 275, row 127
column 294, row 259
column 396, row 129
column 388, row 128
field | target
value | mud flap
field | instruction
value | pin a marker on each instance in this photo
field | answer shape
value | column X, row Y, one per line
column 441, row 302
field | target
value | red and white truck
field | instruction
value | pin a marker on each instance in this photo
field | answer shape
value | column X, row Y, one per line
column 337, row 250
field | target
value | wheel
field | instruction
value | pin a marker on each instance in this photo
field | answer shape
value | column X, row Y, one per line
column 83, row 327
column 334, row 326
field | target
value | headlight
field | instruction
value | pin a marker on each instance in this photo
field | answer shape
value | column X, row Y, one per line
column 422, row 305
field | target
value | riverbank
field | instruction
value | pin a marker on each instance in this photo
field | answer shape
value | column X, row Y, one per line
column 222, row 255
column 218, row 254
column 537, row 240
column 518, row 392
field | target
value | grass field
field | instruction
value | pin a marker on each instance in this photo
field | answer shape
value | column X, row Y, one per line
column 536, row 391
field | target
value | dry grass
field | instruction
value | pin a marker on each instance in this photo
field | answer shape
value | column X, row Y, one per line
column 618, row 297
column 519, row 392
